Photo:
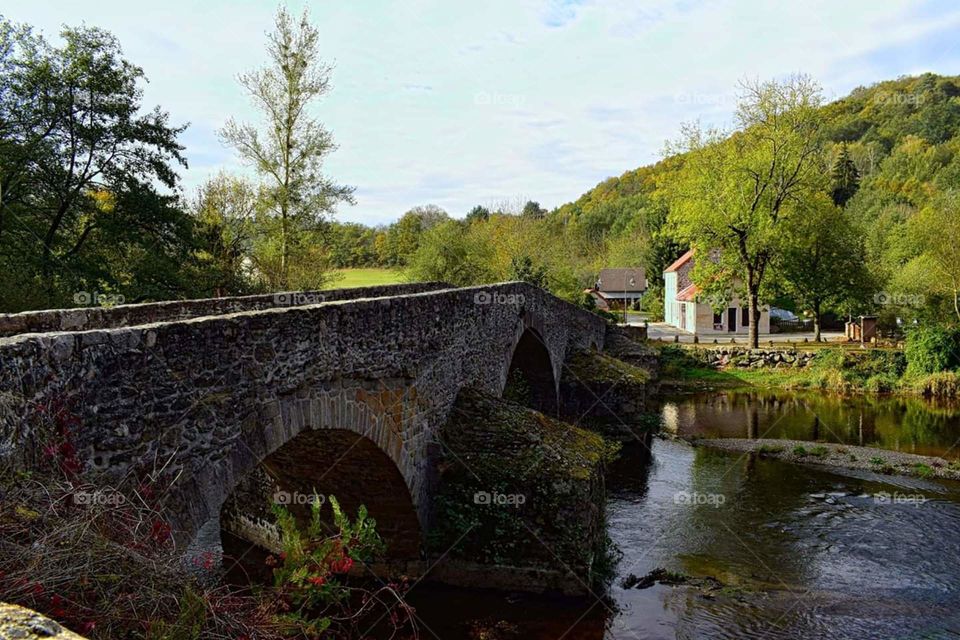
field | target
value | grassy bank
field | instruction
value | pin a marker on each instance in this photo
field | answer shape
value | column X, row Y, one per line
column 346, row 278
column 839, row 371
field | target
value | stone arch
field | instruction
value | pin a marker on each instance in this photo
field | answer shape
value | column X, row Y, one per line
column 323, row 462
column 531, row 358
column 380, row 417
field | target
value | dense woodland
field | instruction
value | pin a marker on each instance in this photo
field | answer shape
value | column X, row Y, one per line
column 91, row 200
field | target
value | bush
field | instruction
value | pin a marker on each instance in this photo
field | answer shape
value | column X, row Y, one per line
column 882, row 383
column 945, row 384
column 932, row 349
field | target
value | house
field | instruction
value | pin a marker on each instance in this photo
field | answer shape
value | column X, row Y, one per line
column 684, row 309
column 617, row 287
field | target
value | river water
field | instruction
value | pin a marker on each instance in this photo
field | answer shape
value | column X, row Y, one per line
column 797, row 552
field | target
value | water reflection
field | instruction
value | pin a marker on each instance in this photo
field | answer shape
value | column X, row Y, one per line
column 914, row 425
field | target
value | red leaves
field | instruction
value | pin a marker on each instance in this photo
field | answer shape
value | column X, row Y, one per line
column 160, row 531
column 343, row 565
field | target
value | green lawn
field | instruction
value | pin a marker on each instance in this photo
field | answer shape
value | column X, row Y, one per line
column 347, row 278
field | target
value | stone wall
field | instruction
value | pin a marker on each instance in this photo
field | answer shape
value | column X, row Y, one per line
column 744, row 357
column 86, row 318
column 207, row 399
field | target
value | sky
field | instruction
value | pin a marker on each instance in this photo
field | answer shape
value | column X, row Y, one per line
column 465, row 103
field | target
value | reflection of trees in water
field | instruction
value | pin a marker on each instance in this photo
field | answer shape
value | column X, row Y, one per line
column 907, row 423
column 750, row 533
column 629, row 474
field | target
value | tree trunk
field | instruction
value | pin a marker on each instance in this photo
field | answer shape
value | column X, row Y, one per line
column 816, row 322
column 754, row 336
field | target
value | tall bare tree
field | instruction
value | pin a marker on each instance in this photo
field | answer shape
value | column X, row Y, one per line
column 289, row 150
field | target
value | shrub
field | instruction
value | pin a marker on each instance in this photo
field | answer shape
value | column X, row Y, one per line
column 932, row 349
column 882, row 383
column 923, row 470
column 945, row 384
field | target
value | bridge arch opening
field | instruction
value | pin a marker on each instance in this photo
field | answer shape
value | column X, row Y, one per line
column 530, row 378
column 321, row 462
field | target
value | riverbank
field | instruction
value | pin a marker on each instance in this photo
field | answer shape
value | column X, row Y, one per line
column 882, row 461
column 871, row 371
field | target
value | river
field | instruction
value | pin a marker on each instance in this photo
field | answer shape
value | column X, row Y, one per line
column 798, row 552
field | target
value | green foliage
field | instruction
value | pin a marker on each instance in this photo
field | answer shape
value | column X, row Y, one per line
column 75, row 214
column 932, row 349
column 740, row 194
column 523, row 269
column 449, row 252
column 937, row 385
column 478, row 214
column 288, row 154
column 314, row 560
column 844, row 177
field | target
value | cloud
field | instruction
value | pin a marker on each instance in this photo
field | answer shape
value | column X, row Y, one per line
column 467, row 103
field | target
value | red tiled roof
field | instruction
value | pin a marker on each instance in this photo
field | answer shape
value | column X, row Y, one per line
column 688, row 294
column 682, row 260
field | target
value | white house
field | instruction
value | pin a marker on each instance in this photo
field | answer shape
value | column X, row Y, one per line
column 683, row 309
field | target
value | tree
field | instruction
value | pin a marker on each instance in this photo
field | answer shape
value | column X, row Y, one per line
column 225, row 208
column 736, row 197
column 523, row 270
column 478, row 214
column 80, row 160
column 449, row 253
column 289, row 151
column 533, row 210
column 844, row 177
column 936, row 231
column 822, row 262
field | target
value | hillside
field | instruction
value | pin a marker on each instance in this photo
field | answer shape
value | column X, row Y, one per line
column 903, row 136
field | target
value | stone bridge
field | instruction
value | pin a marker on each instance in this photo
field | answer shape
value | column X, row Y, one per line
column 205, row 393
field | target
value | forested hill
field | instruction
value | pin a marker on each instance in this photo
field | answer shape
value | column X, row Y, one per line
column 920, row 114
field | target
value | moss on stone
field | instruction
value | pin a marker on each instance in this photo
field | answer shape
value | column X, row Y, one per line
column 519, row 488
column 591, row 366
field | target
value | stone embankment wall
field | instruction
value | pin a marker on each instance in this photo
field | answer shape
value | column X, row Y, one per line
column 744, row 357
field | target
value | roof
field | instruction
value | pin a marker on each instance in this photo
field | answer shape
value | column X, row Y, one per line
column 688, row 294
column 682, row 260
column 619, row 280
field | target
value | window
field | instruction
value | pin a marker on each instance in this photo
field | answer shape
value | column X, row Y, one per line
column 745, row 317
column 717, row 321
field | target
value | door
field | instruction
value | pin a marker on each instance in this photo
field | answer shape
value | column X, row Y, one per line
column 731, row 319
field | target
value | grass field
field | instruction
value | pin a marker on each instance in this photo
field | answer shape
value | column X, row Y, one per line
column 346, row 278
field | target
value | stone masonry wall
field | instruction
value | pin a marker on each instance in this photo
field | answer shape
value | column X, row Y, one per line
column 86, row 318
column 206, row 399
